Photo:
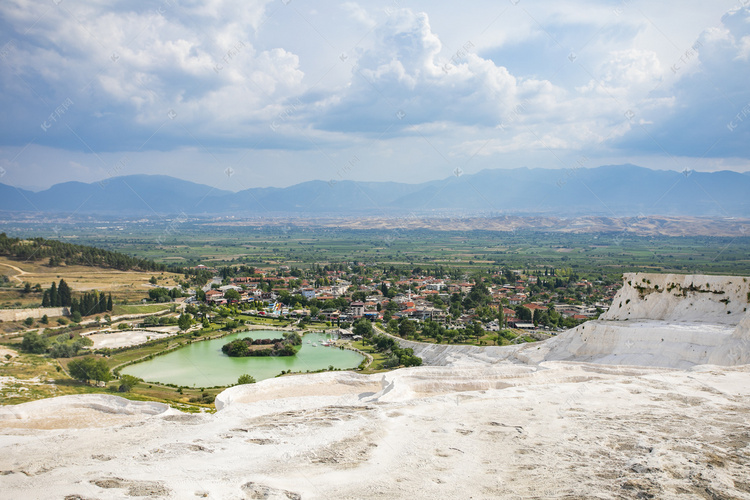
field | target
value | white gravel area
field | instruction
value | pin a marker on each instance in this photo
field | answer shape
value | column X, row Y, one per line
column 125, row 338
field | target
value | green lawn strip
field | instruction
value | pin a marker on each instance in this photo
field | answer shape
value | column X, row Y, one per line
column 259, row 320
column 377, row 357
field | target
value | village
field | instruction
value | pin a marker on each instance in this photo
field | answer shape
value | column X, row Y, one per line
column 544, row 301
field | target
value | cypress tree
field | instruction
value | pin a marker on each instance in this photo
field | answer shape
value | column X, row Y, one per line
column 45, row 299
column 109, row 303
column 63, row 292
column 86, row 304
column 54, row 299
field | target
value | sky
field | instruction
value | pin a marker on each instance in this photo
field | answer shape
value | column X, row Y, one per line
column 253, row 93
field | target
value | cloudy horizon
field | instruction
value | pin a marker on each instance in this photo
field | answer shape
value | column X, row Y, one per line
column 273, row 93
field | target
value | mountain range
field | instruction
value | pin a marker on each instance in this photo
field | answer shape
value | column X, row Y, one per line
column 611, row 190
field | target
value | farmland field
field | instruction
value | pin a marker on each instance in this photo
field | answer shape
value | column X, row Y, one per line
column 203, row 242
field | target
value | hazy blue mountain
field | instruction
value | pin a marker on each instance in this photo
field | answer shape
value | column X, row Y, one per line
column 611, row 190
column 16, row 199
column 620, row 190
column 133, row 194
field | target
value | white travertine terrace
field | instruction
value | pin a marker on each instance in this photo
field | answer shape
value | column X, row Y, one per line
column 650, row 401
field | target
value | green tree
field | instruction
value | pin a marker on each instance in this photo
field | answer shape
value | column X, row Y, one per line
column 392, row 326
column 127, row 382
column 28, row 321
column 523, row 313
column 45, row 320
column 76, row 317
column 245, row 379
column 293, row 338
column 34, row 343
column 63, row 294
column 363, row 327
column 62, row 350
column 86, row 369
column 232, row 294
column 477, row 330
column 407, row 328
column 54, row 298
column 159, row 294
column 185, row 321
column 392, row 361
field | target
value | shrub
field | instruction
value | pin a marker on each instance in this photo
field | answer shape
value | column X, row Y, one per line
column 34, row 343
column 127, row 382
column 245, row 379
column 61, row 350
column 86, row 369
column 391, row 361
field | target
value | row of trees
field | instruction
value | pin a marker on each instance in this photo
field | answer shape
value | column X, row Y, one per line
column 396, row 356
column 161, row 294
column 89, row 303
column 57, row 295
column 92, row 302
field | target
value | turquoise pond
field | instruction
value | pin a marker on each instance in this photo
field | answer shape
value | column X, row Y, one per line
column 202, row 364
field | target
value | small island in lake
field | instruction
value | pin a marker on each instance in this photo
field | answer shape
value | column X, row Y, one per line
column 285, row 346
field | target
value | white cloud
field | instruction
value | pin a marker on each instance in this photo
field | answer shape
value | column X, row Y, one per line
column 484, row 82
column 744, row 48
column 359, row 14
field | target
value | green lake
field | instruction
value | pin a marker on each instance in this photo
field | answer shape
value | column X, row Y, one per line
column 202, row 364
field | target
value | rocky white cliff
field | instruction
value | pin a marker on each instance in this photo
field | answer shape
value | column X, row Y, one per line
column 669, row 320
column 721, row 300
column 664, row 320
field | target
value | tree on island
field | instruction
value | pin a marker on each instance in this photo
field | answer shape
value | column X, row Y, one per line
column 267, row 347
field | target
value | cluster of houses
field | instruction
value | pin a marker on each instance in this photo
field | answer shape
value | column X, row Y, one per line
column 416, row 302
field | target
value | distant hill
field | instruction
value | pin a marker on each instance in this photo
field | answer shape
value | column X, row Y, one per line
column 611, row 190
column 60, row 252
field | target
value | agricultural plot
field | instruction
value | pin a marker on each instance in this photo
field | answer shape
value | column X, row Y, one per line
column 201, row 242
